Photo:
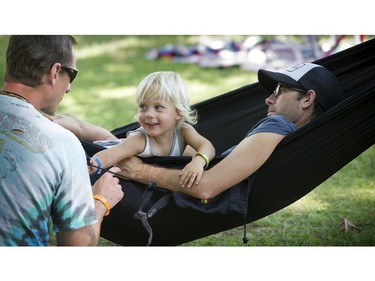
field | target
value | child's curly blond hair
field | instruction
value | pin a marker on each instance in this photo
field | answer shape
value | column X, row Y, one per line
column 167, row 86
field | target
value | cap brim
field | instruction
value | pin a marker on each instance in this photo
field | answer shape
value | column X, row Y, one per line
column 269, row 80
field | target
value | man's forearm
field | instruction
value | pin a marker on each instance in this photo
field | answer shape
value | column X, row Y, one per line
column 167, row 178
column 164, row 178
column 170, row 179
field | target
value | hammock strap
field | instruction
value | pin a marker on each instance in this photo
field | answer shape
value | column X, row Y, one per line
column 145, row 215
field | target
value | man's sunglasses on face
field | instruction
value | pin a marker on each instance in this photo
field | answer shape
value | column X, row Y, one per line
column 71, row 72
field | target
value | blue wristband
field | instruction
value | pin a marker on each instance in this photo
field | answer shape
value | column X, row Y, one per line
column 99, row 167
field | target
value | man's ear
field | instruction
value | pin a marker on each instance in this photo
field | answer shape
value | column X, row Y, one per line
column 55, row 69
column 309, row 98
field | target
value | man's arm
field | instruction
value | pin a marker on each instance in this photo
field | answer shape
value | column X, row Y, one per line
column 109, row 188
column 249, row 156
column 83, row 130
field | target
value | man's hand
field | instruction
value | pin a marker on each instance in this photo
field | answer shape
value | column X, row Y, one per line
column 131, row 168
column 108, row 187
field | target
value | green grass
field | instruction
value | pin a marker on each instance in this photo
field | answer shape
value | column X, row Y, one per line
column 110, row 68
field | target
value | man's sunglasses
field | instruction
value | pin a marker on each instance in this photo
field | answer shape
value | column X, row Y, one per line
column 283, row 88
column 71, row 72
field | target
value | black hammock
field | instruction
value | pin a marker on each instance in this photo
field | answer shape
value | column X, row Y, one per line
column 301, row 162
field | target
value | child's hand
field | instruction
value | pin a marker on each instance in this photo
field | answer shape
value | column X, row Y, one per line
column 191, row 174
column 92, row 167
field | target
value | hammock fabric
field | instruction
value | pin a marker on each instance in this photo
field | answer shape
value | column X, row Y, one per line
column 301, row 162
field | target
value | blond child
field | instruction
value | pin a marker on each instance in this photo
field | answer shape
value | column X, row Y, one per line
column 166, row 121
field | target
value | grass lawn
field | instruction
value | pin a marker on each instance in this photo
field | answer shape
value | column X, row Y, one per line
column 110, row 68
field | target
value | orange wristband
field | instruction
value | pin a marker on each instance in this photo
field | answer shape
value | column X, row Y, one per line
column 104, row 201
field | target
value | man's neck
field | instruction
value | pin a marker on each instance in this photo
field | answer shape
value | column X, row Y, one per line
column 302, row 122
column 29, row 93
column 305, row 118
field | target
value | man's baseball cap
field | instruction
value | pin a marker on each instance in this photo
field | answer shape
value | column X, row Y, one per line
column 306, row 76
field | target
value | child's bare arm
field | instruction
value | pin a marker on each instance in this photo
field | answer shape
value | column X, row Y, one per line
column 204, row 153
column 106, row 158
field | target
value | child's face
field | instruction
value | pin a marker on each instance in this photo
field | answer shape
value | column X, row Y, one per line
column 158, row 117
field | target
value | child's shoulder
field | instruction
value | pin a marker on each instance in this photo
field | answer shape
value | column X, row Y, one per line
column 138, row 133
column 186, row 126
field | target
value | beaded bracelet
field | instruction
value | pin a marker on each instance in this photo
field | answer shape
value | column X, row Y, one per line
column 204, row 157
column 104, row 201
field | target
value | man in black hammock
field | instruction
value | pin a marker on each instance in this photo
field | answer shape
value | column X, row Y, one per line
column 297, row 96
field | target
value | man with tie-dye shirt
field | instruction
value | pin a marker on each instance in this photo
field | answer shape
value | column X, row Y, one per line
column 43, row 168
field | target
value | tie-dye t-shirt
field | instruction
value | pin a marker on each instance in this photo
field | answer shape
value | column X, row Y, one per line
column 43, row 177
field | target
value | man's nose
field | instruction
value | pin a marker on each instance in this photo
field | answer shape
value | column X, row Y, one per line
column 270, row 100
column 68, row 89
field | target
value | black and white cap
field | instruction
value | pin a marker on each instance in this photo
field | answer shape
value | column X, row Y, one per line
column 306, row 76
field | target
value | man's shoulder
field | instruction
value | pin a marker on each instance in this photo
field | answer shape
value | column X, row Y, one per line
column 274, row 124
column 58, row 135
column 276, row 119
